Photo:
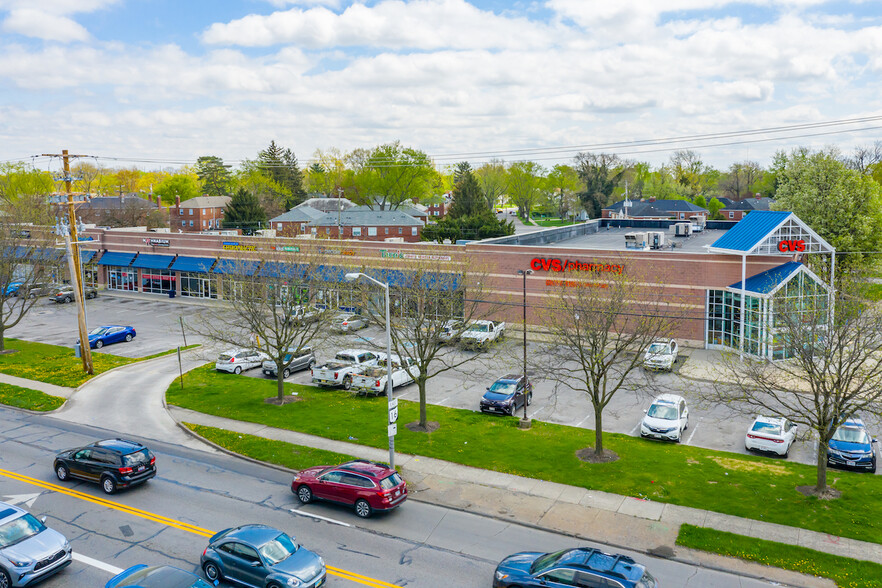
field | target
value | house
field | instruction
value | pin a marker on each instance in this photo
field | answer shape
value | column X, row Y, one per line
column 295, row 221
column 327, row 205
column 655, row 209
column 739, row 208
column 129, row 210
column 438, row 210
column 415, row 210
column 368, row 225
column 203, row 213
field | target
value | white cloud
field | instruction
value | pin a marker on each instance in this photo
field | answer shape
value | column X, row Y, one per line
column 42, row 25
column 286, row 3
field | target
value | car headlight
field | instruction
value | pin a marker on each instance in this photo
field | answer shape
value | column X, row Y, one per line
column 20, row 563
column 501, row 575
column 293, row 582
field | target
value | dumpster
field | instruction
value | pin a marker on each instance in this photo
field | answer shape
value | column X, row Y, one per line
column 171, row 293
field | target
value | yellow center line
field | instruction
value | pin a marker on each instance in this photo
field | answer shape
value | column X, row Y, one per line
column 170, row 522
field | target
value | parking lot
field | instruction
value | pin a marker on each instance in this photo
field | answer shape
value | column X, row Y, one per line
column 158, row 324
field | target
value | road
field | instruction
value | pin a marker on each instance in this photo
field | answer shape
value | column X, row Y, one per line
column 196, row 493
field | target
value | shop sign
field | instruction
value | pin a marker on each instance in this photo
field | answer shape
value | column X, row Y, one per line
column 569, row 265
column 396, row 254
column 788, row 246
column 325, row 251
column 157, row 242
column 287, row 249
column 573, row 284
column 235, row 246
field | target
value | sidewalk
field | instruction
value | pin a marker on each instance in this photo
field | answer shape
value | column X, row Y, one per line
column 50, row 389
column 623, row 522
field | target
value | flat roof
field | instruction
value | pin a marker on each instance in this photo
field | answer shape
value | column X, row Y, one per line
column 613, row 239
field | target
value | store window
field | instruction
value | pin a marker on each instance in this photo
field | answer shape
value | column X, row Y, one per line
column 157, row 281
column 122, row 278
column 90, row 275
column 197, row 285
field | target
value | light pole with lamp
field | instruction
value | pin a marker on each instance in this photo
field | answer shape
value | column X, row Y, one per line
column 393, row 404
column 525, row 422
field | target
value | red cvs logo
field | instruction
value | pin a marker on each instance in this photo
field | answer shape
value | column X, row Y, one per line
column 788, row 246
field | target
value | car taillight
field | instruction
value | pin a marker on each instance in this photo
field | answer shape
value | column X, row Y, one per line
column 152, row 460
column 345, row 323
column 125, row 471
column 204, row 551
column 335, row 375
column 377, row 384
column 232, row 359
column 778, row 440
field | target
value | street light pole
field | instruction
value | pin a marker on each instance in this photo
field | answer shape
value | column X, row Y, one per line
column 525, row 273
column 392, row 403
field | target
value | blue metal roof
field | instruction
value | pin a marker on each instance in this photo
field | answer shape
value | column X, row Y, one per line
column 86, row 256
column 436, row 281
column 751, row 230
column 277, row 269
column 327, row 273
column 240, row 267
column 395, row 278
column 192, row 264
column 153, row 261
column 116, row 258
column 765, row 282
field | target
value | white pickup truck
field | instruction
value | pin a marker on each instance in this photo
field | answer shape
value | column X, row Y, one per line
column 372, row 380
column 344, row 366
column 480, row 334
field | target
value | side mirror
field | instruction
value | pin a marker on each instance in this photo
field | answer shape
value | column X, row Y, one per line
column 644, row 410
column 488, row 387
column 874, row 441
column 255, row 564
column 43, row 519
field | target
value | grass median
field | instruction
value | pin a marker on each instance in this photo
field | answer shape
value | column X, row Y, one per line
column 30, row 399
column 746, row 486
column 846, row 572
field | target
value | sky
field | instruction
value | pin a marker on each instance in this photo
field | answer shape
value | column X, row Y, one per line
column 158, row 83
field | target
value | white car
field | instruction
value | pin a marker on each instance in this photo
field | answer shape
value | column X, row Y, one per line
column 238, row 360
column 667, row 418
column 345, row 323
column 770, row 434
column 661, row 355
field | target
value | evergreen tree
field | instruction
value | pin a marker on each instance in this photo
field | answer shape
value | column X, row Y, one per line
column 244, row 212
column 468, row 198
column 469, row 217
column 214, row 175
column 280, row 165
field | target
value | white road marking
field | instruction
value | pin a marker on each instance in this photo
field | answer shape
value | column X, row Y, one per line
column 538, row 410
column 636, row 428
column 694, row 428
column 587, row 416
column 96, row 564
column 26, row 499
column 443, row 401
column 315, row 516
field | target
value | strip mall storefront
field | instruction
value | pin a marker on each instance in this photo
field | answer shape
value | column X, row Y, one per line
column 747, row 272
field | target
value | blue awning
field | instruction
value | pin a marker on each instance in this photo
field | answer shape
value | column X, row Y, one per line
column 769, row 281
column 326, row 273
column 238, row 267
column 86, row 256
column 153, row 261
column 116, row 258
column 277, row 269
column 48, row 254
column 395, row 278
column 18, row 252
column 193, row 264
column 436, row 281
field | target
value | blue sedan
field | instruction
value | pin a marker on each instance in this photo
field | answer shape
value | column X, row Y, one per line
column 101, row 336
column 143, row 576
column 12, row 288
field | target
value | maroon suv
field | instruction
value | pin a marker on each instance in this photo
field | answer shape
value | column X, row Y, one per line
column 366, row 485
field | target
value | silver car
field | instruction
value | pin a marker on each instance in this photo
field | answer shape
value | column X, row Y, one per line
column 29, row 550
column 345, row 323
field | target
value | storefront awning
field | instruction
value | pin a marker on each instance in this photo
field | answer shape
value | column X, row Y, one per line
column 277, row 269
column 153, row 261
column 193, row 264
column 395, row 278
column 86, row 256
column 327, row 273
column 115, row 258
column 236, row 267
column 435, row 281
column 48, row 254
column 767, row 283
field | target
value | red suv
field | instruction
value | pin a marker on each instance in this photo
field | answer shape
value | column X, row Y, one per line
column 366, row 485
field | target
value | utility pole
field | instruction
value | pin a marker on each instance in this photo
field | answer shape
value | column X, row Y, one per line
column 74, row 252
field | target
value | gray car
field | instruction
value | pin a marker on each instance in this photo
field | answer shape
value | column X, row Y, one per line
column 29, row 550
column 261, row 557
column 345, row 323
column 294, row 362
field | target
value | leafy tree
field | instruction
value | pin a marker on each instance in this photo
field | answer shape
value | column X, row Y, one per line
column 600, row 173
column 562, row 187
column 184, row 185
column 493, row 179
column 865, row 157
column 318, row 180
column 280, row 165
column 18, row 179
column 525, row 185
column 714, row 207
column 700, row 201
column 214, row 175
column 841, row 205
column 661, row 186
column 688, row 171
column 86, row 175
column 741, row 176
column 244, row 211
column 273, row 197
column 392, row 174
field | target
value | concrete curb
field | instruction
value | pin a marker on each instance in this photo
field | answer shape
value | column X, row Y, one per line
column 121, row 367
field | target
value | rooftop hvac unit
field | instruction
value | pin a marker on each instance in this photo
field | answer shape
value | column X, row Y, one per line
column 635, row 240
column 394, row 239
column 305, row 236
column 683, row 229
column 265, row 232
column 656, row 239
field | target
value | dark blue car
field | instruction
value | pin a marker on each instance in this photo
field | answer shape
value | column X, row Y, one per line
column 262, row 557
column 142, row 576
column 581, row 566
column 507, row 394
column 101, row 336
column 852, row 447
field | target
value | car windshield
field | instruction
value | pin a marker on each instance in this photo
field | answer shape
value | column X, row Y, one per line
column 501, row 387
column 663, row 411
column 851, row 435
column 543, row 562
column 390, row 481
column 225, row 357
column 345, row 357
column 98, row 331
column 479, row 328
column 17, row 530
column 657, row 348
column 279, row 549
column 767, row 428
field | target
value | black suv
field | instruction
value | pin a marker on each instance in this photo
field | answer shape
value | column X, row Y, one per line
column 507, row 394
column 114, row 463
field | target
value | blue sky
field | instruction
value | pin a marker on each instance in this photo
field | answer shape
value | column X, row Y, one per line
column 162, row 81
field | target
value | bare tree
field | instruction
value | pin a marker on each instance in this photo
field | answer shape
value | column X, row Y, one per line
column 600, row 321
column 833, row 370
column 865, row 157
column 493, row 180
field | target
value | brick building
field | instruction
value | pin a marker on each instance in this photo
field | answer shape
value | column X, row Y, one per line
column 655, row 209
column 738, row 209
column 203, row 213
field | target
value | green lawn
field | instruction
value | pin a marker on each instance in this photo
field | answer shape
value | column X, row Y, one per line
column 280, row 453
column 745, row 486
column 26, row 398
column 54, row 364
column 846, row 572
column 553, row 222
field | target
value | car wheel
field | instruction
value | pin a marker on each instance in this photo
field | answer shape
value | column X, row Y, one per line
column 362, row 508
column 304, row 494
column 873, row 469
column 273, row 585
column 66, row 299
column 238, row 370
column 211, row 572
column 286, row 373
column 61, row 472
column 511, row 410
column 99, row 344
column 92, row 295
column 108, row 484
column 5, row 582
column 529, row 399
column 129, row 338
column 347, row 383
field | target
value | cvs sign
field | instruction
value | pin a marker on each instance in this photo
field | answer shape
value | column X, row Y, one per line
column 788, row 246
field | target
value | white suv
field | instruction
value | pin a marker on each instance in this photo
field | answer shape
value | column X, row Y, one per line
column 667, row 418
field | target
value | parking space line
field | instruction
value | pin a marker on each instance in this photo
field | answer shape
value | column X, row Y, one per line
column 538, row 410
column 636, row 428
column 77, row 556
column 580, row 423
column 694, row 428
column 443, row 401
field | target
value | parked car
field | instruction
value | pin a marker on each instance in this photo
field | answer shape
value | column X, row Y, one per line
column 294, row 362
column 667, row 418
column 480, row 334
column 305, row 314
column 143, row 576
column 770, row 434
column 41, row 289
column 852, row 446
column 65, row 293
column 365, row 485
column 507, row 394
column 113, row 463
column 258, row 555
column 29, row 550
column 344, row 366
column 346, row 323
column 236, row 361
column 101, row 336
column 372, row 379
column 582, row 566
column 12, row 288
column 660, row 355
